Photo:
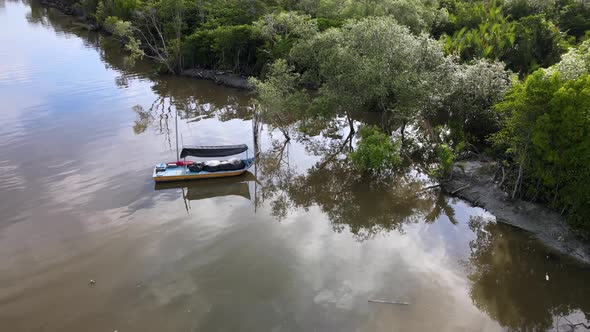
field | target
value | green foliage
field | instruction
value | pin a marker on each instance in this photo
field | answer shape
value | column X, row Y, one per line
column 376, row 151
column 279, row 98
column 286, row 25
column 574, row 63
column 518, row 9
column 377, row 65
column 234, row 44
column 492, row 38
column 246, row 36
column 246, row 48
column 446, row 160
column 373, row 64
column 123, row 31
column 101, row 12
column 468, row 109
column 418, row 15
column 538, row 43
column 468, row 14
column 281, row 83
column 87, row 7
column 280, row 31
column 480, row 30
column 326, row 23
column 575, row 18
column 119, row 28
column 547, row 135
column 227, row 47
column 123, row 9
column 160, row 24
column 215, row 13
column 571, row 16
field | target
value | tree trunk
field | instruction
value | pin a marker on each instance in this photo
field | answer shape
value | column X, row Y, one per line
column 518, row 179
column 286, row 134
column 350, row 123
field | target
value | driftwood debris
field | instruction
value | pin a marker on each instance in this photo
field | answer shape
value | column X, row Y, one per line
column 389, row 302
column 459, row 189
column 429, row 187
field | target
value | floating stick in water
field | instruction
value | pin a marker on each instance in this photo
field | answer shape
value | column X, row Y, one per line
column 389, row 302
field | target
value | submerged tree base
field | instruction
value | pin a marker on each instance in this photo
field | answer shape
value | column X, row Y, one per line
column 475, row 182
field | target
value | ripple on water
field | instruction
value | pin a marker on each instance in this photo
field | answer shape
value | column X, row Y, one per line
column 10, row 179
column 15, row 74
column 12, row 194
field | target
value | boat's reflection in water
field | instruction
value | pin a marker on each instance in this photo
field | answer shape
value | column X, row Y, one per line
column 195, row 190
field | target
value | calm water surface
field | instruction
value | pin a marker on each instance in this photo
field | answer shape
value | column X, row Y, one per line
column 299, row 245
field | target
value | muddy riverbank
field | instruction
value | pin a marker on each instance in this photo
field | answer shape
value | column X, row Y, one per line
column 475, row 182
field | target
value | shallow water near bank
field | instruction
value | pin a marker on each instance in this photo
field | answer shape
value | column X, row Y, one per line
column 300, row 244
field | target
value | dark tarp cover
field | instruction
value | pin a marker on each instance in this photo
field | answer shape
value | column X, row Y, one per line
column 212, row 151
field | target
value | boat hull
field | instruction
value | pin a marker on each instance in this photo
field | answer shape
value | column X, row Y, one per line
column 183, row 174
column 197, row 176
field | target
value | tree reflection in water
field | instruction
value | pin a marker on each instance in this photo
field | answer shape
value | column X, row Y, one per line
column 44, row 16
column 192, row 103
column 521, row 288
column 275, row 173
column 361, row 203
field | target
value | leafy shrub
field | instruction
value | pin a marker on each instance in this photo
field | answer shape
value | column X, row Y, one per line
column 574, row 63
column 468, row 109
column 446, row 160
column 538, row 43
column 491, row 38
column 376, row 151
column 280, row 31
column 119, row 28
column 280, row 100
column 523, row 8
column 86, row 7
column 547, row 136
column 467, row 14
column 120, row 8
column 228, row 47
column 326, row 23
column 574, row 18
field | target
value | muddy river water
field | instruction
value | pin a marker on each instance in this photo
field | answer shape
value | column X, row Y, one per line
column 299, row 244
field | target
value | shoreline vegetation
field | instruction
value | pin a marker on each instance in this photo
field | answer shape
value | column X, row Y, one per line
column 221, row 77
column 505, row 80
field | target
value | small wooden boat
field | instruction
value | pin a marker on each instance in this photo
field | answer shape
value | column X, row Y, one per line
column 194, row 170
